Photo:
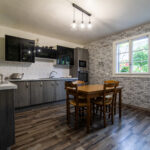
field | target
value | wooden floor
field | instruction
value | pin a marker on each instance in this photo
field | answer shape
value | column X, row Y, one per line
column 45, row 128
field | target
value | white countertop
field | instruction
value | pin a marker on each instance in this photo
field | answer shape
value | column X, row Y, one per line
column 7, row 86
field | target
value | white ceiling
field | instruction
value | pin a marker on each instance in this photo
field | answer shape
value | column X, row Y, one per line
column 54, row 17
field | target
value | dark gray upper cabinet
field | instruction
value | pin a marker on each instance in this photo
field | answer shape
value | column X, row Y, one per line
column 46, row 52
column 22, row 94
column 37, row 92
column 65, row 55
column 19, row 49
column 49, row 91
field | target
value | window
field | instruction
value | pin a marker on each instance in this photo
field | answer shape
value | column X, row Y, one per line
column 132, row 56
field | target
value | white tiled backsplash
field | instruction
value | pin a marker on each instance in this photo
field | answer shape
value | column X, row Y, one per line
column 39, row 69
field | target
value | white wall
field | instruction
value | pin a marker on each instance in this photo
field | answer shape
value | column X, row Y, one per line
column 39, row 69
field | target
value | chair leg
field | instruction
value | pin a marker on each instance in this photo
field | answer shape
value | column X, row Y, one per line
column 112, row 114
column 109, row 111
column 104, row 115
column 100, row 112
column 68, row 113
column 82, row 112
column 93, row 109
column 115, row 104
column 97, row 108
column 76, row 116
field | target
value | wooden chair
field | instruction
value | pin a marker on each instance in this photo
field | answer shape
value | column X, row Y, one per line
column 78, row 82
column 117, row 84
column 107, row 100
column 76, row 101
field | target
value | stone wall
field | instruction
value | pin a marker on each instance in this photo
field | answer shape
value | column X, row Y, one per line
column 136, row 89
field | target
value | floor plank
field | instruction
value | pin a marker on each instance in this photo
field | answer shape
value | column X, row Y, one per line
column 45, row 128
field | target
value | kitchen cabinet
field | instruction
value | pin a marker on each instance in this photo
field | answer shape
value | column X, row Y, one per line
column 27, row 50
column 19, row 49
column 49, row 91
column 37, row 92
column 60, row 90
column 46, row 52
column 65, row 55
column 7, row 127
column 22, row 94
column 12, row 52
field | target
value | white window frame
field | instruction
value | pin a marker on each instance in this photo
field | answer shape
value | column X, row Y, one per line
column 130, row 39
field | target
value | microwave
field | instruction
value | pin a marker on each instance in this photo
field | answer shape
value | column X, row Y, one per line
column 82, row 63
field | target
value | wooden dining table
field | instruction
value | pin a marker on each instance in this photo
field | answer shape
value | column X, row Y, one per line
column 94, row 91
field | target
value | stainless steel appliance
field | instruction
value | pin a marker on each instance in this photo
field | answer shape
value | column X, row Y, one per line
column 16, row 76
column 82, row 63
column 83, row 76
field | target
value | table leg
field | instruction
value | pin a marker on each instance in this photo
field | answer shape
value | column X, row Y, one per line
column 88, row 114
column 120, row 103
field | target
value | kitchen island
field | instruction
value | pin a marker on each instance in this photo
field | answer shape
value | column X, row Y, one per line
column 7, row 129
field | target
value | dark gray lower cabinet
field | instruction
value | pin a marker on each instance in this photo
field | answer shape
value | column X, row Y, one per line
column 37, row 92
column 60, row 90
column 7, row 131
column 49, row 91
column 22, row 94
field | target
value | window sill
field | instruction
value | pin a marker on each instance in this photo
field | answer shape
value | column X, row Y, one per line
column 132, row 75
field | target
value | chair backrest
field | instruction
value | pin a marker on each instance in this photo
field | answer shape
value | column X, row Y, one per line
column 109, row 90
column 71, row 89
column 112, row 81
column 78, row 82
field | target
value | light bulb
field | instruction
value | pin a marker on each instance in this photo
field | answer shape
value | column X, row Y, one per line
column 89, row 25
column 29, row 52
column 39, row 50
column 82, row 25
column 74, row 25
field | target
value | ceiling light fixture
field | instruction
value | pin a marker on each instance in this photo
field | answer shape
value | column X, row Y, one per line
column 83, row 11
column 89, row 24
column 82, row 23
column 74, row 25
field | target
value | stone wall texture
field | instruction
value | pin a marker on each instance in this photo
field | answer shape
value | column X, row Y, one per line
column 136, row 90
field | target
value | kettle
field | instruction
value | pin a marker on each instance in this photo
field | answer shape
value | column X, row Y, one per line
column 16, row 76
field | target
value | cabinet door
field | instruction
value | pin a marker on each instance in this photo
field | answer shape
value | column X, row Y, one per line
column 12, row 52
column 60, row 90
column 22, row 94
column 27, row 50
column 37, row 92
column 7, row 130
column 49, row 91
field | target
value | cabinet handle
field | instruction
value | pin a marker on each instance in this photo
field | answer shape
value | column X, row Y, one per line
column 27, row 85
column 41, row 84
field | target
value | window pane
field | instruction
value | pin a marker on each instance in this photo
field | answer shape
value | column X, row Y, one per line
column 123, row 67
column 140, row 55
column 123, row 57
column 140, row 67
column 140, row 44
column 123, row 47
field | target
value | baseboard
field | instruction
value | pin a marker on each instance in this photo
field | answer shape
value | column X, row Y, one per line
column 136, row 107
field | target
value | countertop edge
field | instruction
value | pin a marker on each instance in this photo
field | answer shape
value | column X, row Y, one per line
column 43, row 79
column 8, row 86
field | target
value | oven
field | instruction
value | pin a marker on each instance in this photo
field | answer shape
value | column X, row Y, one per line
column 83, row 76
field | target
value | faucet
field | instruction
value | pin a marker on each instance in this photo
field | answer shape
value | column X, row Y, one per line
column 1, row 78
column 52, row 76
